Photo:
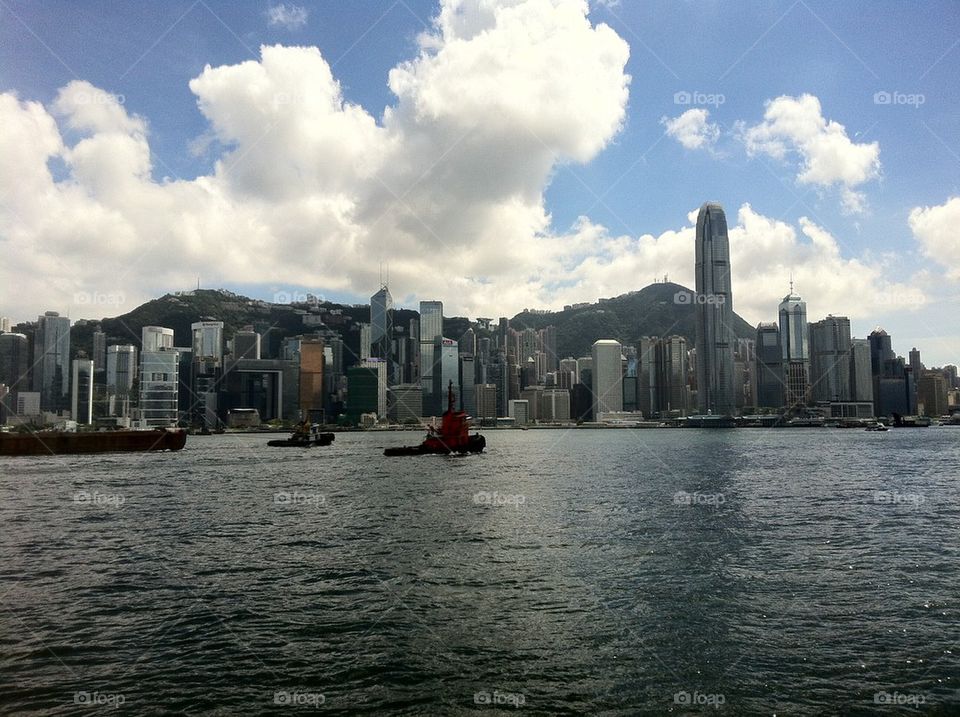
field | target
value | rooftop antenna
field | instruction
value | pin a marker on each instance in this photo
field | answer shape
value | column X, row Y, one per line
column 791, row 282
column 198, row 283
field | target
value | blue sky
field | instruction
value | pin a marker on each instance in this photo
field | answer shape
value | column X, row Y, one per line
column 642, row 181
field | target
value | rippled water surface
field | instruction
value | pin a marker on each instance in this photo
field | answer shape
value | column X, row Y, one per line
column 562, row 572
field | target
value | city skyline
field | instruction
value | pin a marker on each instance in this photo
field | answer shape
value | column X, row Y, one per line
column 810, row 166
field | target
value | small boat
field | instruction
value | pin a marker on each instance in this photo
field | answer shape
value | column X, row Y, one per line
column 44, row 443
column 452, row 437
column 876, row 427
column 305, row 436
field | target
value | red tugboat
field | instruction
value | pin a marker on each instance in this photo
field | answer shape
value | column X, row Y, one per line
column 453, row 436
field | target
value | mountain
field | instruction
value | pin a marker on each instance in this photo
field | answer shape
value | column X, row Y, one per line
column 651, row 311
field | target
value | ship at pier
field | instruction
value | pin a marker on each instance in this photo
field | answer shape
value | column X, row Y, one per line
column 453, row 436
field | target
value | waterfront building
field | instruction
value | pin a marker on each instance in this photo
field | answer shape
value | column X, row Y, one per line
column 430, row 329
column 14, row 371
column 794, row 350
column 381, row 327
column 713, row 306
column 519, row 411
column 81, row 391
column 51, row 361
column 768, row 367
column 830, row 356
column 486, row 397
column 607, row 376
column 380, row 367
column 159, row 378
column 405, row 403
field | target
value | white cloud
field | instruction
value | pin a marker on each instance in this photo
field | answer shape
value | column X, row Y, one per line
column 796, row 126
column 692, row 129
column 936, row 229
column 309, row 190
column 291, row 17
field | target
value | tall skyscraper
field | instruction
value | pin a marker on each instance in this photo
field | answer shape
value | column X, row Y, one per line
column 861, row 378
column 246, row 345
column 81, row 391
column 14, row 370
column 100, row 356
column 207, row 371
column 830, row 345
column 714, row 313
column 768, row 367
column 120, row 374
column 51, row 373
column 794, row 349
column 607, row 377
column 381, row 327
column 431, row 328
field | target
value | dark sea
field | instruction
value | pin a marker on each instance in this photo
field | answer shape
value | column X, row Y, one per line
column 607, row 572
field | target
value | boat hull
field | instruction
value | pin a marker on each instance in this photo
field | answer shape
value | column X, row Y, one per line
column 323, row 439
column 475, row 444
column 55, row 443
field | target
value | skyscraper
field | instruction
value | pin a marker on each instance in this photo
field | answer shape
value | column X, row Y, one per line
column 768, row 367
column 830, row 345
column 81, row 391
column 714, row 313
column 99, row 356
column 159, row 378
column 607, row 377
column 381, row 327
column 431, row 328
column 794, row 349
column 51, row 373
column 14, row 368
column 861, row 379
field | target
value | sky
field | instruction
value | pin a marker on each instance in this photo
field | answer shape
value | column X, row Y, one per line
column 496, row 155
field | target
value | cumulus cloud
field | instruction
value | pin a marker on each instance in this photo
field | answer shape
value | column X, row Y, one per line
column 692, row 129
column 795, row 126
column 309, row 190
column 291, row 17
column 936, row 229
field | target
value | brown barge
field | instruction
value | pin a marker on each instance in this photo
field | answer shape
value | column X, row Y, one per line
column 45, row 443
